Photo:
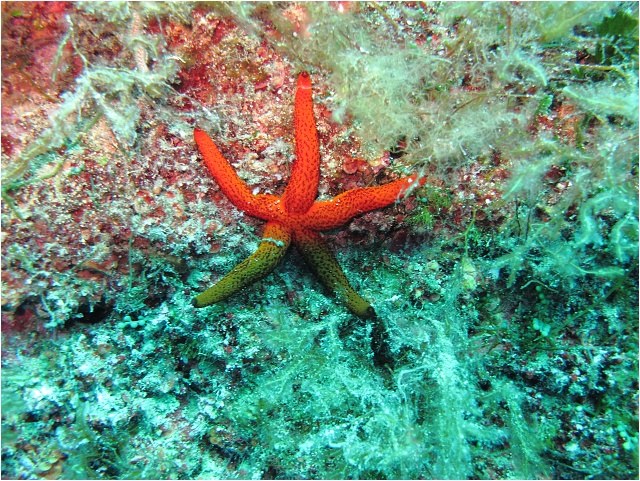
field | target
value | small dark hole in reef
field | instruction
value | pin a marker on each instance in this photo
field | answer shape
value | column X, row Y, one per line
column 19, row 311
column 398, row 150
column 228, row 453
column 271, row 473
column 94, row 313
column 484, row 384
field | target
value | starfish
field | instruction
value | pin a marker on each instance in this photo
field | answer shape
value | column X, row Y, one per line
column 295, row 216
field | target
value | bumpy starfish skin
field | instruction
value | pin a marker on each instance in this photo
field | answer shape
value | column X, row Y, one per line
column 295, row 217
column 272, row 248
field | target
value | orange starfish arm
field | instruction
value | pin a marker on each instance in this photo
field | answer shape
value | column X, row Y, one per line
column 337, row 211
column 305, row 173
column 275, row 240
column 322, row 261
column 260, row 206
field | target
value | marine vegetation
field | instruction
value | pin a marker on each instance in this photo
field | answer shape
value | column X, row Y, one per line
column 504, row 284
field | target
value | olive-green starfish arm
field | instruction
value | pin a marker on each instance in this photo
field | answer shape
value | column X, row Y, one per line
column 274, row 244
column 322, row 261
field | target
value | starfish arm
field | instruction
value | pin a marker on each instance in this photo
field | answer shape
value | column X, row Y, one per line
column 232, row 186
column 322, row 261
column 337, row 211
column 305, row 173
column 274, row 244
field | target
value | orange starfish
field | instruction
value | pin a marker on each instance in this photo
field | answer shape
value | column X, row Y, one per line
column 295, row 216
